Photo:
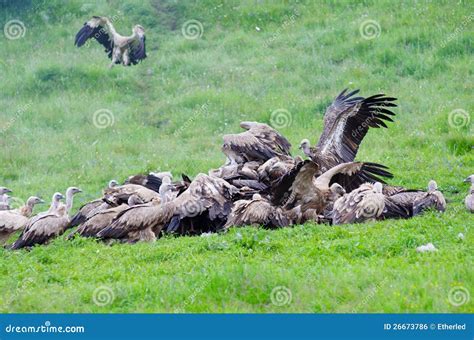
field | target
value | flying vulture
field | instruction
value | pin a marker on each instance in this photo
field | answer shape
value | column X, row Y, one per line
column 469, row 200
column 125, row 50
column 365, row 203
column 14, row 220
column 346, row 123
column 259, row 143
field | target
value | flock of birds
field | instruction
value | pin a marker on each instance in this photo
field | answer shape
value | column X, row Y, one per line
column 260, row 184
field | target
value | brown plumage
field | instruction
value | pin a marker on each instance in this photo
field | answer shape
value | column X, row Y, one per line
column 256, row 212
column 203, row 207
column 432, row 199
column 138, row 223
column 15, row 220
column 90, row 208
column 346, row 122
column 365, row 203
column 469, row 200
column 43, row 228
column 121, row 49
column 306, row 186
column 120, row 194
column 259, row 143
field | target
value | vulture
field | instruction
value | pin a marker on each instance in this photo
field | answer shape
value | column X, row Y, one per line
column 306, row 186
column 469, row 200
column 365, row 203
column 141, row 222
column 100, row 219
column 257, row 212
column 259, row 143
column 4, row 198
column 346, row 122
column 125, row 50
column 14, row 220
column 203, row 207
column 42, row 228
column 90, row 208
column 431, row 199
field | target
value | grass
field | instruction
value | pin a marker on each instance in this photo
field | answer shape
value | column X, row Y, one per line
column 169, row 113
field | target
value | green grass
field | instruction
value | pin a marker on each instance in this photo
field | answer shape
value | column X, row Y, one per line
column 302, row 56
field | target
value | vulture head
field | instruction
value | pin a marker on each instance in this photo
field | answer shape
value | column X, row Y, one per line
column 469, row 179
column 256, row 197
column 337, row 190
column 33, row 200
column 247, row 125
column 113, row 183
column 432, row 186
column 4, row 190
column 138, row 29
column 57, row 197
column 72, row 191
column 305, row 146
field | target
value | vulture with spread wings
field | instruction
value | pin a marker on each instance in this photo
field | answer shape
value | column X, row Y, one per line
column 346, row 123
column 125, row 50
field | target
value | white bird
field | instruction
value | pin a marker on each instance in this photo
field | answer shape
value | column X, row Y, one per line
column 125, row 50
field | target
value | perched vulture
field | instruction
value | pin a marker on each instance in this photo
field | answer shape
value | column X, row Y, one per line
column 259, row 143
column 91, row 208
column 138, row 223
column 256, row 212
column 431, row 199
column 123, row 50
column 469, row 200
column 42, row 228
column 203, row 207
column 346, row 123
column 365, row 203
column 100, row 219
column 14, row 220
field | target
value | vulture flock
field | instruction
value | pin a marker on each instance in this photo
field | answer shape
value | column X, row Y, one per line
column 260, row 184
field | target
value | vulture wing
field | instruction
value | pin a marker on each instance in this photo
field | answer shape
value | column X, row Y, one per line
column 249, row 146
column 44, row 229
column 346, row 123
column 138, row 49
column 95, row 28
column 270, row 136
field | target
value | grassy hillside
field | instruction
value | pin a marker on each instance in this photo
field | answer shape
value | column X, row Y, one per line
column 66, row 119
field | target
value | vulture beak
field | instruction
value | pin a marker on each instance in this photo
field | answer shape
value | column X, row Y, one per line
column 40, row 201
column 8, row 191
column 467, row 180
column 300, row 147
